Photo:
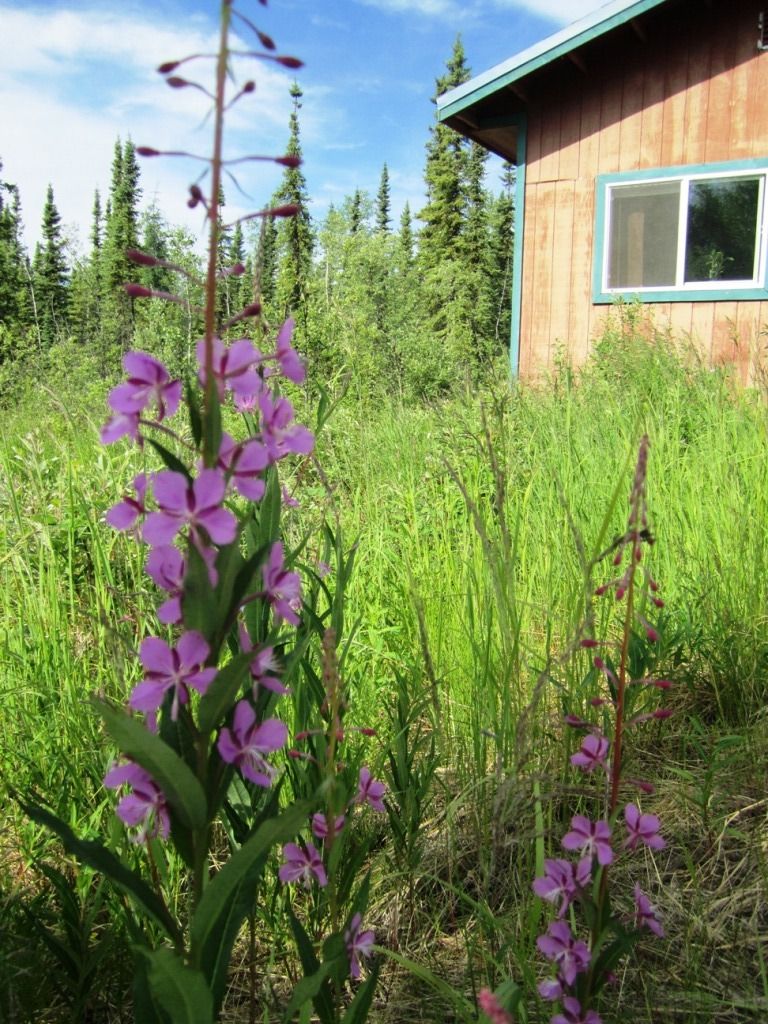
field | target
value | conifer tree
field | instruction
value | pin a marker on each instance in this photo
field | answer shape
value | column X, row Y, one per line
column 502, row 243
column 265, row 279
column 383, row 218
column 14, row 304
column 445, row 175
column 85, row 291
column 294, row 234
column 120, row 234
column 50, row 275
column 356, row 212
column 405, row 238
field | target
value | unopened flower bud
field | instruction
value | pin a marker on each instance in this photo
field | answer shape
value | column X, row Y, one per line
column 662, row 713
column 177, row 83
column 147, row 151
column 290, row 62
column 249, row 86
column 266, row 41
column 288, row 160
column 137, row 291
column 168, row 67
column 142, row 258
column 589, row 642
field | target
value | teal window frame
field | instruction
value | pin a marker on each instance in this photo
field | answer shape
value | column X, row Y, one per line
column 756, row 289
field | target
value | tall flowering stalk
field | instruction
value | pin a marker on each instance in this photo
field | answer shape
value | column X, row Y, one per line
column 587, row 937
column 206, row 709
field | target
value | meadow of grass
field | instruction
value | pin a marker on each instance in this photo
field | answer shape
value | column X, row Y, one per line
column 475, row 522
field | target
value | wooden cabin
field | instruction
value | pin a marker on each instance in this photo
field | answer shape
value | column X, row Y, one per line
column 640, row 137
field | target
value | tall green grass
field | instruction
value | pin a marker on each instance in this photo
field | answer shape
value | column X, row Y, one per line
column 474, row 521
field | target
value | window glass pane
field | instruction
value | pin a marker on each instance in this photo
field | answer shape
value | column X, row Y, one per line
column 722, row 229
column 642, row 250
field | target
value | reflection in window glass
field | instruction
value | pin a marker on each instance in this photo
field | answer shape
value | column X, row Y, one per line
column 643, row 235
column 722, row 229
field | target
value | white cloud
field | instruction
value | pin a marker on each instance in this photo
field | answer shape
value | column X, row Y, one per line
column 74, row 80
column 562, row 11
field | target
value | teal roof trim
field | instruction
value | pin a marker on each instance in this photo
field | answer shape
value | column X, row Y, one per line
column 592, row 26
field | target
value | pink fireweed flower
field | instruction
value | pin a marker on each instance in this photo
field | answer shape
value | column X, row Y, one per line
column 642, row 828
column 243, row 465
column 167, row 567
column 145, row 808
column 302, row 865
column 173, row 669
column 288, row 500
column 358, row 944
column 320, row 825
column 278, row 431
column 591, row 837
column 149, row 383
column 561, row 880
column 593, row 752
column 247, row 744
column 232, row 367
column 262, row 666
column 370, row 791
column 646, row 915
column 197, row 505
column 282, row 588
column 550, row 989
column 124, row 515
column 492, row 1008
column 572, row 956
column 573, row 1014
column 122, row 423
column 290, row 364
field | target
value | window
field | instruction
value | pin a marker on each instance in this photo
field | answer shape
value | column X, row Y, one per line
column 682, row 235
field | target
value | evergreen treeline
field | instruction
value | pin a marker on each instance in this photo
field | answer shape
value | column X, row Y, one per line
column 418, row 308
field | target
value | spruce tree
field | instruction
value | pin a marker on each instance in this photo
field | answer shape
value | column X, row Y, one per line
column 50, row 275
column 14, row 303
column 383, row 218
column 121, row 233
column 294, row 234
column 502, row 243
column 445, row 175
column 405, row 238
column 356, row 212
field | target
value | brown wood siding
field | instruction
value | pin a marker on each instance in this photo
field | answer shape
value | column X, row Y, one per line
column 695, row 91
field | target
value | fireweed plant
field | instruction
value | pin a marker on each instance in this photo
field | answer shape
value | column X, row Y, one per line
column 202, row 736
column 584, row 948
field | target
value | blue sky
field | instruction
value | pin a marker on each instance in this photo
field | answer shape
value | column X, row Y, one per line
column 74, row 76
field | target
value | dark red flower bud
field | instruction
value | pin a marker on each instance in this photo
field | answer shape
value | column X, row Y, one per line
column 168, row 67
column 589, row 642
column 290, row 62
column 142, row 258
column 661, row 713
column 195, row 196
column 147, row 151
column 288, row 160
column 137, row 291
column 368, row 731
column 177, row 83
column 288, row 210
column 658, row 602
column 249, row 87
column 265, row 40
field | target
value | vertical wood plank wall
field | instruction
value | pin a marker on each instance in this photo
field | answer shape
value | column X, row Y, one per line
column 697, row 94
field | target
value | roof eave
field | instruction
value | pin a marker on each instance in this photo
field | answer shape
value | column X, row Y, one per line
column 540, row 55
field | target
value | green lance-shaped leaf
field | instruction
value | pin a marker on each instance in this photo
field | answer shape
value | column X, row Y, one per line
column 97, row 856
column 229, row 895
column 182, row 790
column 179, row 989
column 195, row 417
column 171, row 461
column 211, row 423
column 198, row 601
column 222, row 691
column 315, row 984
column 357, row 1011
